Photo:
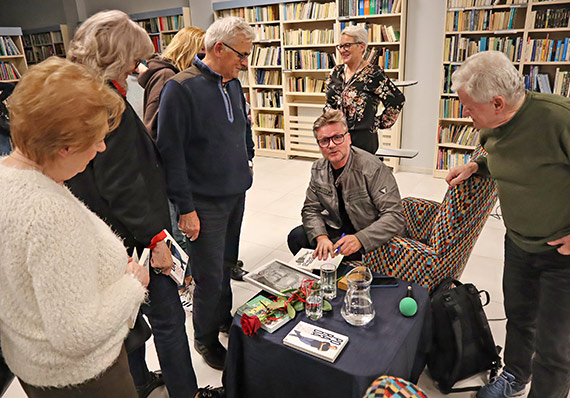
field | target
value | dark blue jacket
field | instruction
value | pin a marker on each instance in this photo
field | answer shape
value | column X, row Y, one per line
column 204, row 136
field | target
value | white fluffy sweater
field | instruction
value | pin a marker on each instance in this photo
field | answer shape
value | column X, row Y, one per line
column 64, row 296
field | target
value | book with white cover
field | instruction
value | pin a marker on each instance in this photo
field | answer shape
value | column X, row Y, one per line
column 304, row 260
column 179, row 258
column 316, row 341
column 276, row 277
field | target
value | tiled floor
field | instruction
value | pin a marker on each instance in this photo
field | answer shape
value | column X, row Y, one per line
column 273, row 207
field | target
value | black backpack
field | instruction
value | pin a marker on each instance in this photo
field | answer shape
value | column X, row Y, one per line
column 462, row 344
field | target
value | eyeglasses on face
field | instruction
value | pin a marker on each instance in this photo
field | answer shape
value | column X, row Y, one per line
column 346, row 46
column 337, row 139
column 242, row 56
column 137, row 62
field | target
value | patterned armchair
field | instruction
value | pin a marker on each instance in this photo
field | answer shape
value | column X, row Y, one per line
column 439, row 237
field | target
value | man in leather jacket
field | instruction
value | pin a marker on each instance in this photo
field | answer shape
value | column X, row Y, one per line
column 352, row 205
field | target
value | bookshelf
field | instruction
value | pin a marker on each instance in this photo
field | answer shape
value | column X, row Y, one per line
column 305, row 33
column 12, row 59
column 535, row 35
column 42, row 43
column 162, row 25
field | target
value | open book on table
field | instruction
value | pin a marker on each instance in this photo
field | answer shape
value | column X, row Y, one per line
column 304, row 260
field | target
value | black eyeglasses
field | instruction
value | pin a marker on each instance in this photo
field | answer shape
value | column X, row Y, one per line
column 137, row 63
column 347, row 46
column 337, row 139
column 242, row 56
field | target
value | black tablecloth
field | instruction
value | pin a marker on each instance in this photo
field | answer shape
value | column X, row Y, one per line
column 262, row 367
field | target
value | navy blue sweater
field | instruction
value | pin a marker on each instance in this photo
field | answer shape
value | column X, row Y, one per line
column 204, row 136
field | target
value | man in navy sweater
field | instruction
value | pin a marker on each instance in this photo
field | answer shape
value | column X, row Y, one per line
column 204, row 137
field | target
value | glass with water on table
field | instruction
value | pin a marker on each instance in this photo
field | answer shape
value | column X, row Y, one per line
column 328, row 280
column 314, row 303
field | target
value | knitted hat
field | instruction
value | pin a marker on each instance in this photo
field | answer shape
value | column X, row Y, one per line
column 394, row 387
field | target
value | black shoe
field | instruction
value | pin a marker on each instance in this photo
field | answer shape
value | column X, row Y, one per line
column 214, row 355
column 210, row 392
column 238, row 272
column 225, row 328
column 155, row 380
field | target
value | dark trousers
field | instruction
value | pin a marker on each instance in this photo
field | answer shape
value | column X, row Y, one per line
column 536, row 287
column 211, row 256
column 167, row 320
column 298, row 240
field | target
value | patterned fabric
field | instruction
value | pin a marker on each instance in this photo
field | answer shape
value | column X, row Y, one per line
column 394, row 387
column 423, row 212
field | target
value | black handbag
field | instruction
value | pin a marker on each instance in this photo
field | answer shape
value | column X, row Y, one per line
column 138, row 335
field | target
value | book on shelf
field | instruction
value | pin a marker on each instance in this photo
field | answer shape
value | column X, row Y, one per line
column 8, row 71
column 304, row 260
column 276, row 276
column 317, row 341
column 8, row 47
column 258, row 306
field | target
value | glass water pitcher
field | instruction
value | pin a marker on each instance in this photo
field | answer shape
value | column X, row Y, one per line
column 358, row 308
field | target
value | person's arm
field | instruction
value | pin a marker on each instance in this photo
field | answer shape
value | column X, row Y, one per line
column 331, row 90
column 460, row 173
column 392, row 99
column 248, row 134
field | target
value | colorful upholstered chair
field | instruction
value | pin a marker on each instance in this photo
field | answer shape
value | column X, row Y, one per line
column 393, row 387
column 439, row 237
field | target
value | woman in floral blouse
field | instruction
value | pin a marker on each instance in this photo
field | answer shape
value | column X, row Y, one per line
column 356, row 87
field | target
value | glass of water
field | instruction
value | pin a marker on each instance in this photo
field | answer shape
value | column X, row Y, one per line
column 328, row 280
column 314, row 304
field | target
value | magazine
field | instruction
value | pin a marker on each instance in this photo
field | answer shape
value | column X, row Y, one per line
column 257, row 306
column 304, row 260
column 316, row 341
column 277, row 276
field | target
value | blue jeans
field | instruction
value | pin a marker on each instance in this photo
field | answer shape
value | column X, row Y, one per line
column 167, row 319
column 212, row 255
column 536, row 287
column 5, row 146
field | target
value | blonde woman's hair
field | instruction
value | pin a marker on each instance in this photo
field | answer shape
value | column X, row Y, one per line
column 110, row 43
column 58, row 104
column 227, row 30
column 329, row 117
column 184, row 47
column 358, row 33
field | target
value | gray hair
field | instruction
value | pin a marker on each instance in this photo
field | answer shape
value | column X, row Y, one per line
column 329, row 117
column 109, row 43
column 357, row 32
column 489, row 74
column 226, row 30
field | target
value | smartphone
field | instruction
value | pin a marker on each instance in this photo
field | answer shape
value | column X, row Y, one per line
column 384, row 281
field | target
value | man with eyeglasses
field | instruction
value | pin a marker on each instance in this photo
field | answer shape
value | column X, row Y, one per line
column 352, row 205
column 204, row 137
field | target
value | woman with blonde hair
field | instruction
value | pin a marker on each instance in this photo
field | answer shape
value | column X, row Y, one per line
column 67, row 286
column 125, row 185
column 175, row 58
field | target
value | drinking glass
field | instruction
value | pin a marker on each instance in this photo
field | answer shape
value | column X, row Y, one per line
column 314, row 304
column 328, row 280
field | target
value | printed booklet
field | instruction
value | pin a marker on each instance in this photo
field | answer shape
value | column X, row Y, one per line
column 304, row 260
column 257, row 306
column 316, row 341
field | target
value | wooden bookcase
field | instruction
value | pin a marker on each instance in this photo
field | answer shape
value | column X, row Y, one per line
column 297, row 84
column 522, row 32
column 12, row 61
column 42, row 43
column 162, row 25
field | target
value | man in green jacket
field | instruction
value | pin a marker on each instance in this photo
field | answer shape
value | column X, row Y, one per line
column 527, row 138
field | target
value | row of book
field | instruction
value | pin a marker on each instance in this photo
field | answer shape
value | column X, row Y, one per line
column 266, row 56
column 450, row 108
column 460, row 134
column 561, row 84
column 156, row 43
column 297, row 37
column 243, row 77
column 267, row 32
column 8, row 71
column 8, row 47
column 234, row 12
column 271, row 141
column 477, row 20
column 159, row 24
column 550, row 18
column 306, row 84
column 309, row 59
column 262, row 14
column 309, row 10
column 369, row 7
column 269, row 120
column 268, row 98
column 383, row 57
column 37, row 39
column 167, row 38
column 448, row 158
column 376, row 32
column 547, row 50
column 447, row 73
column 458, row 49
column 267, row 77
column 482, row 3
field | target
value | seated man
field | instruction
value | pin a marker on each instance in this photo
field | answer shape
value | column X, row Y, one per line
column 352, row 199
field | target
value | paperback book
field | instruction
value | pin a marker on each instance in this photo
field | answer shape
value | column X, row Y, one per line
column 276, row 277
column 304, row 260
column 316, row 341
column 258, row 306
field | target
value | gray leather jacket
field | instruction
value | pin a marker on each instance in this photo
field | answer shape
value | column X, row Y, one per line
column 370, row 194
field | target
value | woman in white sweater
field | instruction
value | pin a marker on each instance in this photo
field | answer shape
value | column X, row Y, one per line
column 67, row 286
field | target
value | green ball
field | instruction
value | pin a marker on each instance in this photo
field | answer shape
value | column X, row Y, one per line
column 408, row 306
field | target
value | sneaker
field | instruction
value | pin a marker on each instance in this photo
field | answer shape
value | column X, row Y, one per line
column 186, row 298
column 502, row 386
column 237, row 271
column 155, row 380
column 214, row 355
column 210, row 392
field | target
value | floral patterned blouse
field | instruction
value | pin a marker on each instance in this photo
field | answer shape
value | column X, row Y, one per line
column 359, row 99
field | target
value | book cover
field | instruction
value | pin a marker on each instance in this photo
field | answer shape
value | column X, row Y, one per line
column 316, row 341
column 277, row 276
column 258, row 306
column 304, row 260
column 179, row 258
